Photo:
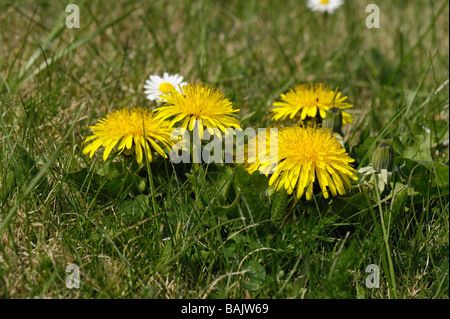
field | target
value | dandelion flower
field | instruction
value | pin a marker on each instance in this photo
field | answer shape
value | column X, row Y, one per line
column 156, row 85
column 328, row 6
column 308, row 154
column 310, row 100
column 200, row 106
column 135, row 129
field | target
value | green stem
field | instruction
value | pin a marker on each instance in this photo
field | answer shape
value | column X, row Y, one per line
column 152, row 187
column 194, row 157
column 149, row 170
column 386, row 243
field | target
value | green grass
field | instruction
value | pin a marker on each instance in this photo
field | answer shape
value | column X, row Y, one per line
column 216, row 233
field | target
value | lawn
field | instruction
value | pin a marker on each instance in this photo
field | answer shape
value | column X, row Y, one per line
column 165, row 230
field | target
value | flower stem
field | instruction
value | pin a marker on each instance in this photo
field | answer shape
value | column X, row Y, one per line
column 385, row 230
column 152, row 187
column 149, row 170
column 195, row 150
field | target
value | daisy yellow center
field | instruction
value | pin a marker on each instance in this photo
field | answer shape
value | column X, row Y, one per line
column 324, row 1
column 165, row 87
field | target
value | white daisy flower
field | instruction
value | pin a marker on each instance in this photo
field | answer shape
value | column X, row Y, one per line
column 157, row 85
column 324, row 5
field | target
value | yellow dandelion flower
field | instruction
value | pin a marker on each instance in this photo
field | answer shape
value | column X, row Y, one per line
column 307, row 154
column 135, row 129
column 200, row 105
column 310, row 100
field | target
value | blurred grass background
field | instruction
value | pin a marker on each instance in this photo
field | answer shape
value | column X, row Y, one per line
column 56, row 81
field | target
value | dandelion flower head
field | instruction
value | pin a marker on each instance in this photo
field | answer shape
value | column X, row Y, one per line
column 310, row 100
column 199, row 106
column 134, row 130
column 309, row 154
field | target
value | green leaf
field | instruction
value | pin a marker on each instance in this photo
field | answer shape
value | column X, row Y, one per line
column 281, row 200
column 230, row 248
column 230, row 210
column 349, row 204
column 221, row 178
column 253, row 190
column 124, row 182
column 442, row 176
column 420, row 150
column 425, row 176
column 412, row 167
column 256, row 276
column 135, row 209
column 109, row 186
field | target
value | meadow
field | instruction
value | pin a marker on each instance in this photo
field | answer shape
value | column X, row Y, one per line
column 215, row 231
